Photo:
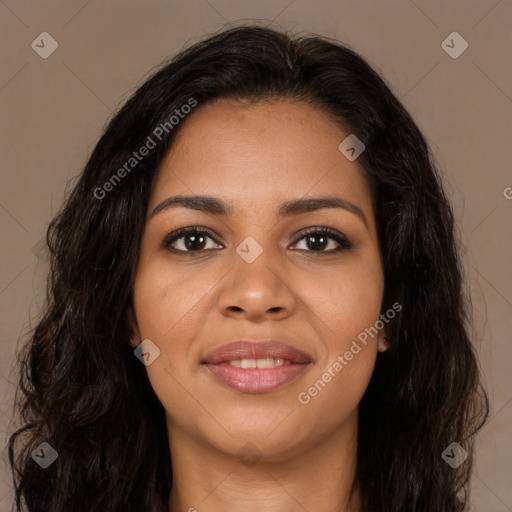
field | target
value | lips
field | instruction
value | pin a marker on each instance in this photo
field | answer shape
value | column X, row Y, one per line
column 286, row 364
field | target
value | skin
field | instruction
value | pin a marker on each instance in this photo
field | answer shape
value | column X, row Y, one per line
column 255, row 157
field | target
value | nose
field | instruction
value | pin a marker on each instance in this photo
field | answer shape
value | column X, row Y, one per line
column 258, row 291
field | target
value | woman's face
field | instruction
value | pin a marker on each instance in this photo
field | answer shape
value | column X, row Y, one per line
column 255, row 275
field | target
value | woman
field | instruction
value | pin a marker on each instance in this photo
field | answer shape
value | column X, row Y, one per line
column 255, row 301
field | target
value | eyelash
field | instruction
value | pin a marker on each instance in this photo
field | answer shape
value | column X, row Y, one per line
column 343, row 242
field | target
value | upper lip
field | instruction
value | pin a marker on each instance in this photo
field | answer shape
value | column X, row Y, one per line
column 262, row 349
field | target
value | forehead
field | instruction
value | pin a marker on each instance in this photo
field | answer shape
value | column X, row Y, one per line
column 252, row 153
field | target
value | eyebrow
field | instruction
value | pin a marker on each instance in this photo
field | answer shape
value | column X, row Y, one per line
column 215, row 206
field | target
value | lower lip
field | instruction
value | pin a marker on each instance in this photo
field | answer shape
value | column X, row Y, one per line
column 256, row 380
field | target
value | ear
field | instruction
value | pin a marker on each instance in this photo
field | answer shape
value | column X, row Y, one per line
column 135, row 339
column 382, row 344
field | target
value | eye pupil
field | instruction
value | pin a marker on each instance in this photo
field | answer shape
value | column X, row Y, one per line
column 191, row 239
column 319, row 245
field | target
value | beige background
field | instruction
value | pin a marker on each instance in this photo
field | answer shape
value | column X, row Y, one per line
column 53, row 111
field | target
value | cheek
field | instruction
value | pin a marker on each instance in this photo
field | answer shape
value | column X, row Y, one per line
column 334, row 396
column 347, row 304
column 347, row 299
column 166, row 297
column 164, row 301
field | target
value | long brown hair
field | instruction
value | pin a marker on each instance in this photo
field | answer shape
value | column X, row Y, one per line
column 83, row 391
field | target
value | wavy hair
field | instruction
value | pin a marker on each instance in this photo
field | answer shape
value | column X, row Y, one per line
column 82, row 390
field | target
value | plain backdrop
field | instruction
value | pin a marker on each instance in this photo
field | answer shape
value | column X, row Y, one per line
column 53, row 110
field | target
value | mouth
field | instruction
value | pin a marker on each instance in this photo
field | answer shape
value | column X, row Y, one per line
column 256, row 366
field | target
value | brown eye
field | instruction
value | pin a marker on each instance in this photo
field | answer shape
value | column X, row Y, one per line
column 320, row 239
column 189, row 240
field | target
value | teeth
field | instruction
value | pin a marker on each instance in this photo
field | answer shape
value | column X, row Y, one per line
column 267, row 363
column 258, row 363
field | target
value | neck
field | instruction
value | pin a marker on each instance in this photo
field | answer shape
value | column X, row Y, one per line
column 317, row 476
